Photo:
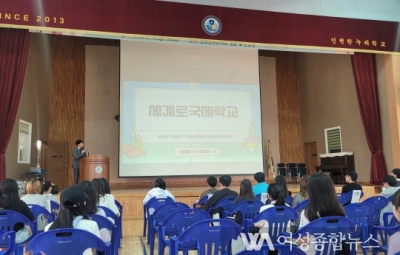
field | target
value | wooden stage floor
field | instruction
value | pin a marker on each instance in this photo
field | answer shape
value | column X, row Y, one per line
column 132, row 199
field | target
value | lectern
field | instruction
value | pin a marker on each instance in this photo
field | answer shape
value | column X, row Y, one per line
column 94, row 166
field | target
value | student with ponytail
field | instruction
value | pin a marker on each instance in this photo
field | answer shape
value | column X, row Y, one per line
column 394, row 241
column 72, row 214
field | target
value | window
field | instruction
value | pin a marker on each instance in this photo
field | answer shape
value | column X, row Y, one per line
column 333, row 140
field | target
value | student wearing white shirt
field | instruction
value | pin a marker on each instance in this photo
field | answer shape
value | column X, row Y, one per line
column 159, row 190
column 33, row 188
column 72, row 214
column 105, row 198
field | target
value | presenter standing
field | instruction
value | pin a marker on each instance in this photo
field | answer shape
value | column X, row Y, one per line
column 78, row 153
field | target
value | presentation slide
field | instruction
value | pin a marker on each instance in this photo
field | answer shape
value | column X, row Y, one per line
column 181, row 128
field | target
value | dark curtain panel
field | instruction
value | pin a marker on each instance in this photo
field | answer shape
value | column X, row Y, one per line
column 14, row 46
column 367, row 93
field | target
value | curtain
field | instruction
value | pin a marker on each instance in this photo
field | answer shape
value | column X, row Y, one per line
column 14, row 46
column 367, row 94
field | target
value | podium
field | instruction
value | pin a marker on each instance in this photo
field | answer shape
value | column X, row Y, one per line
column 94, row 166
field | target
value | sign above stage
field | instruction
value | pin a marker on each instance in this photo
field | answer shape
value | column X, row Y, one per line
column 178, row 22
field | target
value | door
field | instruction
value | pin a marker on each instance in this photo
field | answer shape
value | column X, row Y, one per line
column 57, row 163
column 311, row 156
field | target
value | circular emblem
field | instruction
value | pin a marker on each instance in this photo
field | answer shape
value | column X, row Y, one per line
column 98, row 169
column 211, row 25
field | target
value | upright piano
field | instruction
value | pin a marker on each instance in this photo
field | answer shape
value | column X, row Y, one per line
column 337, row 165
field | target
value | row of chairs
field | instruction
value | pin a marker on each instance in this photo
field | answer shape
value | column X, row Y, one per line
column 292, row 170
column 9, row 218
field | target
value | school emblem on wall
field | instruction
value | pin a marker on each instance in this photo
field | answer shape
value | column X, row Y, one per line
column 211, row 25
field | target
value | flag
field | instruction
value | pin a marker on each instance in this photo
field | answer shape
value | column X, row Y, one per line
column 271, row 167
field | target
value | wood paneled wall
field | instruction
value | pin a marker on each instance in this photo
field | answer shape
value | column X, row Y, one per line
column 67, row 93
column 289, row 114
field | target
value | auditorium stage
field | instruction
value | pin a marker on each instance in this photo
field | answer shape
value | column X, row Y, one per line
column 131, row 199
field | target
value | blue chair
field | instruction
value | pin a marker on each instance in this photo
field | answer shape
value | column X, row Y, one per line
column 278, row 218
column 111, row 215
column 288, row 199
column 282, row 248
column 175, row 224
column 103, row 222
column 343, row 198
column 327, row 232
column 226, row 203
column 383, row 233
column 159, row 216
column 203, row 200
column 299, row 208
column 119, row 219
column 359, row 214
column 65, row 242
column 54, row 207
column 389, row 220
column 397, row 253
column 10, row 245
column 7, row 221
column 38, row 211
column 248, row 210
column 152, row 205
column 378, row 203
column 208, row 234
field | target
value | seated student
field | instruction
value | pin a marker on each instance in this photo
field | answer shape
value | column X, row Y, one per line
column 46, row 191
column 90, row 206
column 212, row 182
column 72, row 214
column 261, row 186
column 33, row 188
column 159, row 190
column 396, row 174
column 246, row 193
column 394, row 240
column 389, row 182
column 303, row 194
column 224, row 182
column 105, row 198
column 281, row 180
column 9, row 200
column 322, row 202
column 351, row 178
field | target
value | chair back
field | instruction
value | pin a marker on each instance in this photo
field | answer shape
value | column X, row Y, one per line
column 154, row 203
column 291, row 165
column 212, row 236
column 288, row 199
column 359, row 214
column 300, row 207
column 9, row 218
column 378, row 203
column 65, row 242
column 327, row 232
column 282, row 171
column 301, row 165
column 282, row 249
column 278, row 220
column 203, row 200
column 38, row 210
column 248, row 210
column 119, row 206
column 54, row 207
column 227, row 203
column 343, row 198
column 283, row 165
column 302, row 171
column 166, row 210
column 103, row 222
column 7, row 240
column 109, row 213
column 176, row 223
